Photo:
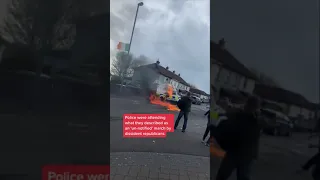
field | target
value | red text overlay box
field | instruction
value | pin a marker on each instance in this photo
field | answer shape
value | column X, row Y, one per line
column 147, row 125
column 75, row 172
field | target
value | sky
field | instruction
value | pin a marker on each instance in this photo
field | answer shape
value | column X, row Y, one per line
column 278, row 38
column 177, row 32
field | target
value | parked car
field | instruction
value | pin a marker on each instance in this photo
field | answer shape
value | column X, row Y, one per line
column 277, row 123
column 196, row 100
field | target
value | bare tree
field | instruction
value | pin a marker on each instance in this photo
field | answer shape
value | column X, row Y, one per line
column 123, row 64
column 40, row 26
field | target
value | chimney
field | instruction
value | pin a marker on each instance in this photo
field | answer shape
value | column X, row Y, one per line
column 167, row 68
column 222, row 43
column 173, row 72
column 179, row 74
column 157, row 63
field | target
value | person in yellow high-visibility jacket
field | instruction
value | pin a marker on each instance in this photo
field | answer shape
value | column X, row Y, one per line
column 212, row 116
column 206, row 132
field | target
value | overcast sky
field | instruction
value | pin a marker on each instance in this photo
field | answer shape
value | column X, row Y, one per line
column 175, row 31
column 277, row 37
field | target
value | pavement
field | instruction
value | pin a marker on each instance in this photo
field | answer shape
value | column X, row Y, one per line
column 148, row 165
column 280, row 157
column 176, row 142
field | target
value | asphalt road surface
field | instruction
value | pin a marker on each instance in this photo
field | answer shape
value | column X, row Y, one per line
column 176, row 142
column 277, row 154
column 28, row 143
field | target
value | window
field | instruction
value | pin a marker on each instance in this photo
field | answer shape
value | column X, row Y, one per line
column 245, row 83
column 227, row 80
column 232, row 79
column 238, row 80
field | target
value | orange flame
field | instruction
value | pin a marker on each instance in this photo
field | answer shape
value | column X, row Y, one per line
column 215, row 150
column 156, row 100
column 170, row 90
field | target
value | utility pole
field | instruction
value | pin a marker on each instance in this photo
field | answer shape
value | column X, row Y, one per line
column 134, row 24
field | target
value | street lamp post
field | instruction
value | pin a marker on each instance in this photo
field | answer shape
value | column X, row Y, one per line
column 134, row 24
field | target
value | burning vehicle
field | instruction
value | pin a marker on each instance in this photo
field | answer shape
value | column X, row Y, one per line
column 165, row 95
column 167, row 92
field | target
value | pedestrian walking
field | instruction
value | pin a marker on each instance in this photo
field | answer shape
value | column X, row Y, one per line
column 184, row 105
column 214, row 119
column 206, row 132
column 315, row 163
column 241, row 141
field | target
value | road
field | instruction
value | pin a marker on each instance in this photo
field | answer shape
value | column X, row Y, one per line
column 189, row 144
column 28, row 143
column 278, row 154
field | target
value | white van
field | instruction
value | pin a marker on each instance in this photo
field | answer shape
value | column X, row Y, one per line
column 162, row 92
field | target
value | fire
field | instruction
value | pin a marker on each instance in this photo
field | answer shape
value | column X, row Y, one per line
column 156, row 100
column 170, row 91
column 215, row 150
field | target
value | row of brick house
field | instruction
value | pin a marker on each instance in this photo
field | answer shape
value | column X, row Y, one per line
column 156, row 73
column 232, row 78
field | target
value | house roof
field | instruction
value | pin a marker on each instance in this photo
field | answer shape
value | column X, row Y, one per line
column 227, row 60
column 165, row 72
column 198, row 91
column 282, row 95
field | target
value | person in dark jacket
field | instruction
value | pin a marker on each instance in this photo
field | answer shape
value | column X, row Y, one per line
column 206, row 132
column 313, row 162
column 185, row 107
column 244, row 136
